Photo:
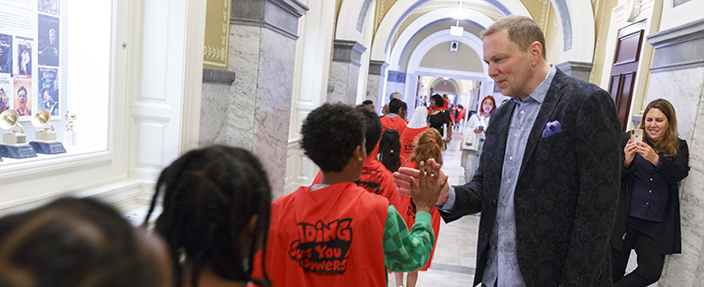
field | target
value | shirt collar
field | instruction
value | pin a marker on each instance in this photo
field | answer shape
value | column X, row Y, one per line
column 391, row 115
column 541, row 91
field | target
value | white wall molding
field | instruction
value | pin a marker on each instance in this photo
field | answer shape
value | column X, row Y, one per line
column 582, row 31
column 347, row 21
column 310, row 82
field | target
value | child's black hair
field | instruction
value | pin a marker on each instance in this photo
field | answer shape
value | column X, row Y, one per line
column 390, row 149
column 210, row 196
column 372, row 126
column 395, row 105
column 71, row 242
column 330, row 134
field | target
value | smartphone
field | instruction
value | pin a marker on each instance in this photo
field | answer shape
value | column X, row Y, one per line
column 637, row 135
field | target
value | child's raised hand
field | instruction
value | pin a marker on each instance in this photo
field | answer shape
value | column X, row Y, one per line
column 426, row 190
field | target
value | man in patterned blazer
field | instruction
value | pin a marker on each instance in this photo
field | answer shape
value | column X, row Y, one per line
column 547, row 185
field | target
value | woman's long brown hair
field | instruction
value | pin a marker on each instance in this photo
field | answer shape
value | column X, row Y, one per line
column 667, row 145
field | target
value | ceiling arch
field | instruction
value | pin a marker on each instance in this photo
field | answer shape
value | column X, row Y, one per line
column 436, row 38
column 352, row 13
column 440, row 81
column 574, row 17
column 397, row 51
column 402, row 9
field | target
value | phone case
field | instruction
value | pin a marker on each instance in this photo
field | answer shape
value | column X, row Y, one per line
column 637, row 135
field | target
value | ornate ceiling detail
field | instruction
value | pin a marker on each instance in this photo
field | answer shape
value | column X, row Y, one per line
column 382, row 7
column 543, row 20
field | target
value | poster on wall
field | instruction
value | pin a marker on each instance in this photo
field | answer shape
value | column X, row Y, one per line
column 30, row 56
column 5, row 54
column 22, row 96
column 48, row 41
column 48, row 90
column 5, row 92
column 50, row 7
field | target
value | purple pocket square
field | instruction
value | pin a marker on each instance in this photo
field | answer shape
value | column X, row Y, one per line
column 552, row 128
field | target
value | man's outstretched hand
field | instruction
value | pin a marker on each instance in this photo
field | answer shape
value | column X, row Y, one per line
column 433, row 178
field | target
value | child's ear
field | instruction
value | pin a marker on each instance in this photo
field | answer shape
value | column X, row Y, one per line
column 359, row 153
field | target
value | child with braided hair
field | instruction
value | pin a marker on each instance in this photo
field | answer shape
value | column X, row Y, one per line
column 79, row 242
column 390, row 150
column 427, row 145
column 216, row 203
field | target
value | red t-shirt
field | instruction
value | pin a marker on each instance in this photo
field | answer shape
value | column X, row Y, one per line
column 327, row 237
column 407, row 137
column 375, row 178
column 396, row 123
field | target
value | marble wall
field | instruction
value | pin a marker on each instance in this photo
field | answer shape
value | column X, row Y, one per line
column 678, row 76
column 215, row 106
column 685, row 269
column 682, row 88
column 344, row 75
column 273, row 105
column 393, row 87
column 244, row 61
column 373, row 87
column 344, row 79
column 254, row 112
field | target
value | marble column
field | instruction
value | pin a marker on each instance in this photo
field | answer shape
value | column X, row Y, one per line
column 677, row 74
column 395, row 82
column 345, row 71
column 376, row 80
column 579, row 70
column 254, row 111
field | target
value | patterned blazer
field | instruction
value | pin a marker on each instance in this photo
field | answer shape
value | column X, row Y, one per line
column 567, row 190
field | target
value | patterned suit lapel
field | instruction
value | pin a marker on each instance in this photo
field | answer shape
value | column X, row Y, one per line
column 552, row 97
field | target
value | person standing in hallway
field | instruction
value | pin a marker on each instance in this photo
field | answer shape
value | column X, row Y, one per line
column 428, row 145
column 439, row 117
column 393, row 119
column 385, row 109
column 477, row 123
column 417, row 125
column 390, row 151
column 548, row 179
column 648, row 215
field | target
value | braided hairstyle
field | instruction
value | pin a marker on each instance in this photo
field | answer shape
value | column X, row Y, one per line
column 74, row 242
column 210, row 195
column 390, row 149
column 430, row 145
